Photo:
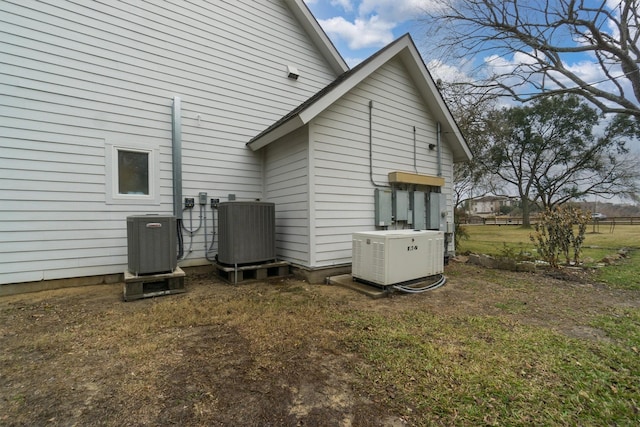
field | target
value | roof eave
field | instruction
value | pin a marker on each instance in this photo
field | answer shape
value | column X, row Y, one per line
column 285, row 128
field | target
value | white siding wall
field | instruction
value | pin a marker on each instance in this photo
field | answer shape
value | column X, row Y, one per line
column 287, row 185
column 77, row 75
column 344, row 194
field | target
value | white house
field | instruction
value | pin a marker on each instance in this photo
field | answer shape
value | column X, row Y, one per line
column 250, row 96
column 491, row 205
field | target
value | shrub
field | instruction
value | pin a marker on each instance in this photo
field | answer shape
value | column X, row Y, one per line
column 460, row 233
column 560, row 232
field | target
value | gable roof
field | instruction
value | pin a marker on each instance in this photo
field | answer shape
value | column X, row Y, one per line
column 317, row 35
column 403, row 48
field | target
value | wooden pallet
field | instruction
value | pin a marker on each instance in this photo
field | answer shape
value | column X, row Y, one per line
column 244, row 273
column 153, row 285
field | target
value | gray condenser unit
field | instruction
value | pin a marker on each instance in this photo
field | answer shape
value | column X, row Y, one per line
column 246, row 232
column 152, row 246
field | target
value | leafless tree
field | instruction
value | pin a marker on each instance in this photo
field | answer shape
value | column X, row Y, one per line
column 545, row 37
column 470, row 109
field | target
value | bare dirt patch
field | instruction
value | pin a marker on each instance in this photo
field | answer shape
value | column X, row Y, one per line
column 258, row 354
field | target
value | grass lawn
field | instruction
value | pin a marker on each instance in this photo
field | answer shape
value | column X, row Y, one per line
column 489, row 348
column 493, row 240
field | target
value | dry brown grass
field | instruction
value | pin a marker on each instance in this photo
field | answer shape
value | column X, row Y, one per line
column 289, row 353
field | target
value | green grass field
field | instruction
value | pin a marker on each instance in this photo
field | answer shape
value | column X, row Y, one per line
column 496, row 240
column 486, row 370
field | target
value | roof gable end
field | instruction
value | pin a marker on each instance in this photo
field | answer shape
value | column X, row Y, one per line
column 403, row 48
column 317, row 35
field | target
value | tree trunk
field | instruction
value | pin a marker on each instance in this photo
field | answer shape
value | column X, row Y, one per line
column 526, row 221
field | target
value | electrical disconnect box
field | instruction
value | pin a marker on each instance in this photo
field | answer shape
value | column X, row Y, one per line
column 401, row 205
column 383, row 210
column 416, row 209
column 436, row 212
column 419, row 210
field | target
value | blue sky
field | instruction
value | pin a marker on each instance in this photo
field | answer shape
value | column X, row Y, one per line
column 358, row 28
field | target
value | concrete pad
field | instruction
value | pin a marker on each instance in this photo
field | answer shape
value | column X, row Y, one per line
column 346, row 281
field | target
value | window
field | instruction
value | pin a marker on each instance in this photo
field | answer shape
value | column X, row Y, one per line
column 131, row 174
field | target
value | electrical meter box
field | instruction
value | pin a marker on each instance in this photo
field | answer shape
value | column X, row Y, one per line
column 152, row 244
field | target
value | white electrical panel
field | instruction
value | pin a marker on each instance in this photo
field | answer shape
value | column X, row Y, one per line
column 394, row 256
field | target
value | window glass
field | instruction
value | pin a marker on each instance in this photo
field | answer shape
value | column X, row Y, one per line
column 133, row 172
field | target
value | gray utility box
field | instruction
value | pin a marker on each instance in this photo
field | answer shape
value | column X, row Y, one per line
column 246, row 232
column 437, row 212
column 383, row 207
column 152, row 245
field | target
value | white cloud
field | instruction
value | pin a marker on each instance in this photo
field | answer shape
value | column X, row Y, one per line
column 345, row 4
column 587, row 70
column 446, row 72
column 370, row 23
column 372, row 32
column 393, row 10
column 497, row 64
column 353, row 61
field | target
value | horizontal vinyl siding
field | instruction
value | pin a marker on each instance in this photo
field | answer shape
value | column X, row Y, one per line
column 286, row 185
column 344, row 193
column 76, row 75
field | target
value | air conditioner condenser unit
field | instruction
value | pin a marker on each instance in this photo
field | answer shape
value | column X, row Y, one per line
column 390, row 257
column 151, row 241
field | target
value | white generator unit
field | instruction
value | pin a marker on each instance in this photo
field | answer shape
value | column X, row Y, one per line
column 390, row 257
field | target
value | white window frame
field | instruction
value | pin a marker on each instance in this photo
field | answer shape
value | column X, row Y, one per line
column 113, row 197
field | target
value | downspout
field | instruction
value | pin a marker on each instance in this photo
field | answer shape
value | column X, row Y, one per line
column 415, row 157
column 371, row 147
column 447, row 236
column 439, row 149
column 176, row 159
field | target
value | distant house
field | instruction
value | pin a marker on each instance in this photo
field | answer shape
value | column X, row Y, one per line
column 491, row 205
column 104, row 102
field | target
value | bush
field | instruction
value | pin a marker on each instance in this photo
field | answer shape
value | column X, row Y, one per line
column 560, row 232
column 460, row 233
